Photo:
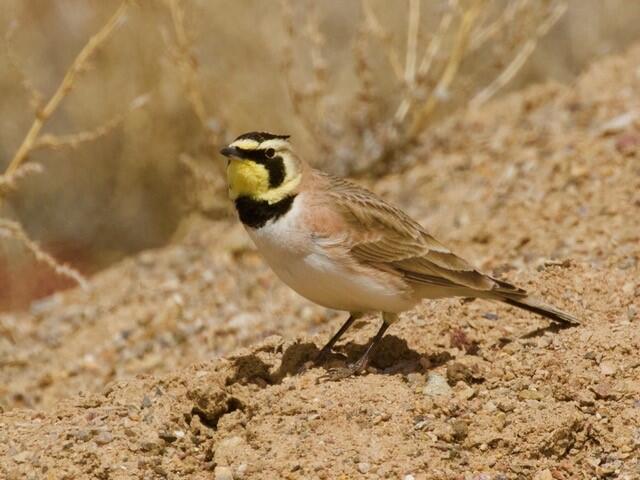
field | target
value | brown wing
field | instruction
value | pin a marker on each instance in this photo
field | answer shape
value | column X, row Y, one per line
column 389, row 237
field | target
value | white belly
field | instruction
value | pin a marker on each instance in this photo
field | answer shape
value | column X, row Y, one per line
column 303, row 265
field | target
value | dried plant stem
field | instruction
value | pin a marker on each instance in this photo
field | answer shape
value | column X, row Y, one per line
column 12, row 229
column 8, row 182
column 491, row 30
column 35, row 96
column 451, row 68
column 412, row 43
column 374, row 26
column 73, row 140
column 425, row 65
column 188, row 66
column 519, row 60
column 301, row 98
column 65, row 87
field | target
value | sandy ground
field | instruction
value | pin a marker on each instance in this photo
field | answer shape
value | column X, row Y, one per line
column 180, row 362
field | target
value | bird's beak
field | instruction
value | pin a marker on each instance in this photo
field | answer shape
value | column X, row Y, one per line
column 229, row 151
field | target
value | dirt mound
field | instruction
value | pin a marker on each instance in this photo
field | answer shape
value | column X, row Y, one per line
column 542, row 188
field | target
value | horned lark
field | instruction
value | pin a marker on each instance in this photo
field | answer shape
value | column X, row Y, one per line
column 345, row 248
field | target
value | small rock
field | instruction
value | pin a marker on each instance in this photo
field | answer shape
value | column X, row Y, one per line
column 506, row 405
column 604, row 391
column 223, row 473
column 168, row 436
column 618, row 123
column 460, row 430
column 83, row 435
column 22, row 457
column 457, row 372
column 437, row 386
column 363, row 467
column 103, row 438
column 628, row 288
column 465, row 392
column 591, row 356
column 241, row 471
column 543, row 475
column 481, row 476
column 608, row 368
column 490, row 316
column 409, row 477
column 529, row 395
column 420, row 423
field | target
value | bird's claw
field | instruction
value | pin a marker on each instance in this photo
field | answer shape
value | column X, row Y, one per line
column 340, row 373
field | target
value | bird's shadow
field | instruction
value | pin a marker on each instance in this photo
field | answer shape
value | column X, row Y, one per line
column 392, row 356
column 551, row 328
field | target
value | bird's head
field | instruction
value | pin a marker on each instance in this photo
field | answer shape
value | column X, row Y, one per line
column 262, row 166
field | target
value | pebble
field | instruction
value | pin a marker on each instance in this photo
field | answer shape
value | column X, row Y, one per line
column 83, row 435
column 607, row 368
column 241, row 470
column 437, row 386
column 465, row 392
column 460, row 430
column 543, row 475
column 103, row 438
column 223, row 473
column 409, row 477
column 363, row 467
column 22, row 456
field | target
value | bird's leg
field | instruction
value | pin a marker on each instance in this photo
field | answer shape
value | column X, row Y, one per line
column 326, row 350
column 363, row 362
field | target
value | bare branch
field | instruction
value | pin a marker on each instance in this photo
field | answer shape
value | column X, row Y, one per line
column 519, row 60
column 453, row 64
column 505, row 18
column 374, row 26
column 12, row 229
column 73, row 140
column 188, row 67
column 8, row 182
column 65, row 86
column 308, row 116
column 412, row 43
column 435, row 44
column 35, row 96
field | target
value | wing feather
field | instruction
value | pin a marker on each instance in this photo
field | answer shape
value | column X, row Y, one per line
column 388, row 236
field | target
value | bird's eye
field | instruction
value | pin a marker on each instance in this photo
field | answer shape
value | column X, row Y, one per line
column 270, row 152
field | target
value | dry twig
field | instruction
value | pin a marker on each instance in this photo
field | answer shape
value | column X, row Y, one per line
column 188, row 68
column 8, row 183
column 16, row 170
column 12, row 229
column 380, row 131
column 65, row 87
column 519, row 60
column 73, row 140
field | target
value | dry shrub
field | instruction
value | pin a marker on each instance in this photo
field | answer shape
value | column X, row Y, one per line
column 460, row 54
column 43, row 111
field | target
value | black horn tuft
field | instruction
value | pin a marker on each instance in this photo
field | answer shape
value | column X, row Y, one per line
column 261, row 136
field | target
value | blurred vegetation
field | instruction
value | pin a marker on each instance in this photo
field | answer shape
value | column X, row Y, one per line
column 131, row 148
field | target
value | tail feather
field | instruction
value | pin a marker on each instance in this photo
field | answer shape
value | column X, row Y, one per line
column 532, row 305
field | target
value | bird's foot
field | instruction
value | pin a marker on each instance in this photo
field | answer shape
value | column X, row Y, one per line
column 336, row 374
column 319, row 359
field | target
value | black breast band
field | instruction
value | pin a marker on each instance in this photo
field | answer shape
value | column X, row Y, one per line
column 256, row 213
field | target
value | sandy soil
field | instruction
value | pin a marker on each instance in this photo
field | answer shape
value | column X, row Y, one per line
column 180, row 362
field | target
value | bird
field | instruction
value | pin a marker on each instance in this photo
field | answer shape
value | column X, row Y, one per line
column 345, row 248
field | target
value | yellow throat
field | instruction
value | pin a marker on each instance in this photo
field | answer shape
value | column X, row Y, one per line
column 247, row 178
